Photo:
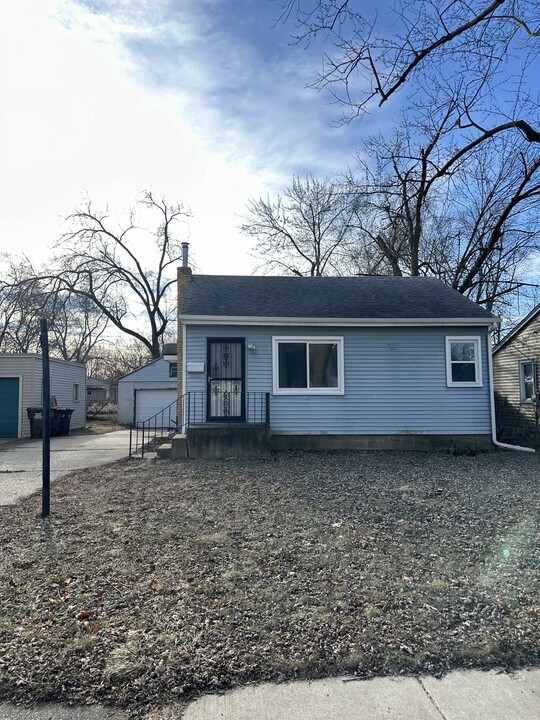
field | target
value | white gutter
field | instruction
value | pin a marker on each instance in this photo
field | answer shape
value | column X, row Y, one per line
column 333, row 322
column 505, row 446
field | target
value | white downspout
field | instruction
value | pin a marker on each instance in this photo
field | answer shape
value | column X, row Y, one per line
column 505, row 446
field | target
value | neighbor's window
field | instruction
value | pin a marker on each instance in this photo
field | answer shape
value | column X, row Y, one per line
column 308, row 365
column 76, row 388
column 463, row 363
column 173, row 369
column 526, row 380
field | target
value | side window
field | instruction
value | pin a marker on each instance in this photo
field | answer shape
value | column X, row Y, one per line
column 76, row 389
column 527, row 382
column 173, row 369
column 463, row 362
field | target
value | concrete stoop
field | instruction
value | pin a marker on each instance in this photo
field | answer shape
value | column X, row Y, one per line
column 214, row 442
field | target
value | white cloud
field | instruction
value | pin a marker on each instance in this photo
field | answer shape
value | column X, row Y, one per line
column 107, row 98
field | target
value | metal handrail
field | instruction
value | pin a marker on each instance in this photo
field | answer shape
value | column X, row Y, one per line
column 248, row 407
column 145, row 432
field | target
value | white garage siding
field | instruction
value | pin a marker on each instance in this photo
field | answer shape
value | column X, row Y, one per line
column 159, row 391
column 150, row 402
column 68, row 386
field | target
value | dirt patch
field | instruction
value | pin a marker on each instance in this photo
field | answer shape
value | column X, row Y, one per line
column 153, row 582
column 99, row 426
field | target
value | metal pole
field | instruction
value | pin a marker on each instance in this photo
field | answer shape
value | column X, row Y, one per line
column 46, row 434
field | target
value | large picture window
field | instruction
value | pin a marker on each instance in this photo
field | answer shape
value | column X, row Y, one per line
column 308, row 365
column 463, row 362
column 527, row 380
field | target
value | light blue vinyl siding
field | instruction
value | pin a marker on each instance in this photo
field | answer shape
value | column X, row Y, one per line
column 395, row 381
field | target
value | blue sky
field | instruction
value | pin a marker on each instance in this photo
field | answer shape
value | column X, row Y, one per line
column 201, row 100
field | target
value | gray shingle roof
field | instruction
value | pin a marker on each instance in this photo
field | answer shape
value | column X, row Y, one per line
column 327, row 297
column 169, row 349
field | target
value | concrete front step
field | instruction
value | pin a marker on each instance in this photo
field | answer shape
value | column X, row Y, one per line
column 163, row 452
column 176, row 449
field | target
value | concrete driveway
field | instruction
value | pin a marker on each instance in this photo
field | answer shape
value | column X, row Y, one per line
column 20, row 460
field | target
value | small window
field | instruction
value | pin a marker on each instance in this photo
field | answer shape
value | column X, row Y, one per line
column 88, row 392
column 173, row 369
column 463, row 363
column 76, row 388
column 308, row 365
column 527, row 382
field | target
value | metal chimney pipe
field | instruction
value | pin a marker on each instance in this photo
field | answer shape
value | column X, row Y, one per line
column 185, row 254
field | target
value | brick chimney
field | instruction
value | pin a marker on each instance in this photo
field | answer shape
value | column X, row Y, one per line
column 184, row 278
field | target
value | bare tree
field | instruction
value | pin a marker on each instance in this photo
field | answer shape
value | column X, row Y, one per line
column 75, row 325
column 470, row 219
column 21, row 306
column 499, row 222
column 462, row 71
column 111, row 360
column 475, row 51
column 305, row 231
column 126, row 272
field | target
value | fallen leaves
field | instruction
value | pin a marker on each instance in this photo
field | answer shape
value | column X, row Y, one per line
column 159, row 580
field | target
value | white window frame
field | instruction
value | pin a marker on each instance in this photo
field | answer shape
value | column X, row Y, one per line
column 76, row 392
column 522, row 397
column 477, row 340
column 306, row 340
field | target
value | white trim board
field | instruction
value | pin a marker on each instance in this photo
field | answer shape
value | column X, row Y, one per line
column 336, row 322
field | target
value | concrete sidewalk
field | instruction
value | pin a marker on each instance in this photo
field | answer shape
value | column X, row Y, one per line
column 460, row 695
column 20, row 460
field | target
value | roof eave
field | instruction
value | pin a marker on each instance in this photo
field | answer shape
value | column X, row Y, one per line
column 515, row 330
column 334, row 322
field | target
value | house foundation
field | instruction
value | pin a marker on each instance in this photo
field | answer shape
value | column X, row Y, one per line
column 381, row 442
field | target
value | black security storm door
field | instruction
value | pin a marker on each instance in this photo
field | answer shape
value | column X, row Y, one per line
column 226, row 370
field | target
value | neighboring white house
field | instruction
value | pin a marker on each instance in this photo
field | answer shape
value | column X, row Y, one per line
column 21, row 387
column 147, row 391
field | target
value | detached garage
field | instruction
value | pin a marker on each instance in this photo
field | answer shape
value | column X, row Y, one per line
column 147, row 391
column 21, row 387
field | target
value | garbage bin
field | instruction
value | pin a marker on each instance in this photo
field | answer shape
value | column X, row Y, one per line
column 64, row 420
column 55, row 422
column 35, row 415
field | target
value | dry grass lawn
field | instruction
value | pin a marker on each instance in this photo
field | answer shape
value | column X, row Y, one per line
column 153, row 581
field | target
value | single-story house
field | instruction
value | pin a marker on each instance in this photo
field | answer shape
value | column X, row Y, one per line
column 335, row 362
column 97, row 391
column 101, row 391
column 515, row 368
column 21, row 381
column 149, row 389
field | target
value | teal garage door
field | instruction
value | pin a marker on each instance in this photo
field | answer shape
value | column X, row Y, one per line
column 9, row 407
